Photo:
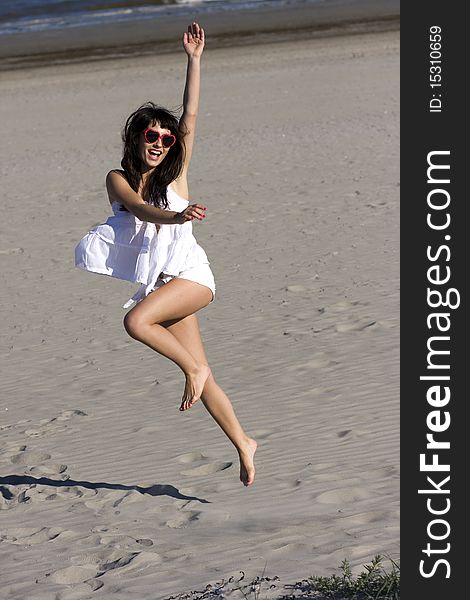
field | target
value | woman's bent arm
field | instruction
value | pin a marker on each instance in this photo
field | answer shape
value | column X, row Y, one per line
column 120, row 191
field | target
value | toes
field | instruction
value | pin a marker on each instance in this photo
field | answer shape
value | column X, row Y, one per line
column 188, row 401
column 248, row 480
column 186, row 404
column 193, row 401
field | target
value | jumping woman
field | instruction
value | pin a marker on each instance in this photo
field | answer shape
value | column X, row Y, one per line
column 149, row 240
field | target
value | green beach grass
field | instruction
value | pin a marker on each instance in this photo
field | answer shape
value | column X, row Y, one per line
column 374, row 583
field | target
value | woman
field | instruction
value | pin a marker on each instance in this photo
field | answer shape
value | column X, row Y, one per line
column 150, row 240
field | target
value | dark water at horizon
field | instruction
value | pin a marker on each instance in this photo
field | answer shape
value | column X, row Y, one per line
column 27, row 16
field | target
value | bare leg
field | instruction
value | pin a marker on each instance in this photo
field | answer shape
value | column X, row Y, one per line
column 175, row 300
column 214, row 398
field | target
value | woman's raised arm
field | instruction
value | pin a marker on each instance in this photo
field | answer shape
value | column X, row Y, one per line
column 193, row 43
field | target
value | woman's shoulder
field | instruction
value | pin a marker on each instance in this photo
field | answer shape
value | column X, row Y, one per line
column 117, row 179
column 116, row 173
column 116, row 184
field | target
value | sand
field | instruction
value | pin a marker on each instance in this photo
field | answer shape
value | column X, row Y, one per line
column 108, row 491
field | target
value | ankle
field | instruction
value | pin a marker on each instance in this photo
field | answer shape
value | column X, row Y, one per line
column 193, row 370
column 196, row 369
column 244, row 445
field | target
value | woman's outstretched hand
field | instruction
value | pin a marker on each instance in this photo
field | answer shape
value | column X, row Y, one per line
column 193, row 40
column 193, row 211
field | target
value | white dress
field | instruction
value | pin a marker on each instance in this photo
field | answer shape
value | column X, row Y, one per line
column 128, row 248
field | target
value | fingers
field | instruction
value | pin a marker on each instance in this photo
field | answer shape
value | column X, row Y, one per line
column 195, row 211
column 195, row 31
column 198, row 211
column 194, row 39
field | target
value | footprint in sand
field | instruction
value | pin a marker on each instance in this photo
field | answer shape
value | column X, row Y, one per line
column 89, row 566
column 11, row 497
column 129, row 561
column 45, row 426
column 345, row 317
column 346, row 495
column 34, row 463
column 104, row 562
column 66, row 415
column 74, row 492
column 183, row 520
column 124, row 541
column 9, row 450
column 208, row 469
column 201, row 464
column 353, row 324
column 30, row 535
column 56, row 424
column 73, row 574
column 190, row 457
column 45, row 470
column 26, row 457
column 12, row 251
column 21, row 493
column 46, row 482
column 110, row 500
column 290, row 484
column 148, row 429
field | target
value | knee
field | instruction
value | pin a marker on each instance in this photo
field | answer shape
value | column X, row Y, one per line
column 134, row 325
column 211, row 382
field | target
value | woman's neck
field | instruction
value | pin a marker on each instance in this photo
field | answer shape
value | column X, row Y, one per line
column 146, row 174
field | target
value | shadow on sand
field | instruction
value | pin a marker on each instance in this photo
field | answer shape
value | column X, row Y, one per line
column 154, row 490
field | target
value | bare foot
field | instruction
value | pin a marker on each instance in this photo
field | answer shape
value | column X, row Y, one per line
column 247, row 467
column 194, row 386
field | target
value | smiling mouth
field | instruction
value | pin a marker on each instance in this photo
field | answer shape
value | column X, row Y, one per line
column 155, row 154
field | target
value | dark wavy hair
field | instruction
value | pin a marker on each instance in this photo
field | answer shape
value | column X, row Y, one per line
column 154, row 191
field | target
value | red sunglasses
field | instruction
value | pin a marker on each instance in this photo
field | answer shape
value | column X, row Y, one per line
column 151, row 136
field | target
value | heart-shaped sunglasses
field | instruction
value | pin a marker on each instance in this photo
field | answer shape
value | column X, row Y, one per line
column 151, row 136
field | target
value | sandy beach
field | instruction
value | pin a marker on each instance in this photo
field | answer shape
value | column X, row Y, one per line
column 107, row 490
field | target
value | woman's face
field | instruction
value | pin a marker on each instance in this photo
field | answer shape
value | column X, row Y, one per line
column 152, row 155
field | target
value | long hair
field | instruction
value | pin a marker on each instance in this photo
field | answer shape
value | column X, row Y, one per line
column 154, row 191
